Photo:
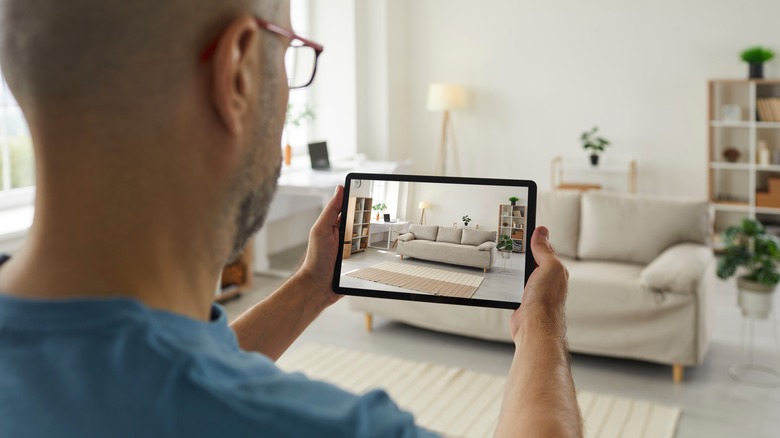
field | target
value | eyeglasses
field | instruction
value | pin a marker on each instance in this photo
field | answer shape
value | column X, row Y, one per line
column 300, row 59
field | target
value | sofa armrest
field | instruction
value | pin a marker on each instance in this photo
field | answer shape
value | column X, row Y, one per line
column 406, row 237
column 679, row 269
column 487, row 246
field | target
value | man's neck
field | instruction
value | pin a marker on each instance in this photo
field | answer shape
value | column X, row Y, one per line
column 156, row 257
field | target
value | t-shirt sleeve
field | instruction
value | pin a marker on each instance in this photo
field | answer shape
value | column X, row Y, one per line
column 282, row 404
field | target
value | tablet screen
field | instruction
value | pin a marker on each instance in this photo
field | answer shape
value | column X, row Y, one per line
column 436, row 239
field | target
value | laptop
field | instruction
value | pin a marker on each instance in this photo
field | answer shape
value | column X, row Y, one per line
column 318, row 152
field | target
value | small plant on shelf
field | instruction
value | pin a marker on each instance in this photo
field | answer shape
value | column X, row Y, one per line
column 466, row 219
column 756, row 57
column 513, row 200
column 596, row 144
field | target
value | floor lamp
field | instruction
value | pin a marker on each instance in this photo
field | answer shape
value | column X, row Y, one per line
column 446, row 98
column 423, row 205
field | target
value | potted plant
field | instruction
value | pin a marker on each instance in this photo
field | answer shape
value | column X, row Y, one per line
column 513, row 200
column 756, row 57
column 505, row 246
column 379, row 208
column 757, row 253
column 466, row 219
column 594, row 143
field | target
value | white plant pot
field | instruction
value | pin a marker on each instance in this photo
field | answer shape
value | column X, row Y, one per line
column 506, row 254
column 754, row 299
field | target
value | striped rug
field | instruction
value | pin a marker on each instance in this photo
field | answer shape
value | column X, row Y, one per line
column 461, row 403
column 422, row 279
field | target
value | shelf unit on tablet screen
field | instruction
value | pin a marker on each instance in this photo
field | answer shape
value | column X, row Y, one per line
column 358, row 225
column 514, row 218
column 733, row 186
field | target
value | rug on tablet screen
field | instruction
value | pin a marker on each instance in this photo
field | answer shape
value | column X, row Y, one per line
column 421, row 278
column 461, row 403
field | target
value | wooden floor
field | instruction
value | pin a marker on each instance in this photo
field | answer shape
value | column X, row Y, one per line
column 713, row 404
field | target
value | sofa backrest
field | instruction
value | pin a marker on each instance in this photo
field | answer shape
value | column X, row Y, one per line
column 424, row 232
column 559, row 211
column 637, row 228
column 475, row 237
column 449, row 234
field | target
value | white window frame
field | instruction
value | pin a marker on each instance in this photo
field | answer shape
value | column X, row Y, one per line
column 10, row 198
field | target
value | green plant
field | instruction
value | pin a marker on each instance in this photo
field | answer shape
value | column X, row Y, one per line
column 514, row 199
column 295, row 118
column 466, row 220
column 379, row 207
column 757, row 55
column 748, row 246
column 505, row 243
column 591, row 141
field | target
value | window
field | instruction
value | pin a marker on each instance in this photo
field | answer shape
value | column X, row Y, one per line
column 297, row 135
column 17, row 164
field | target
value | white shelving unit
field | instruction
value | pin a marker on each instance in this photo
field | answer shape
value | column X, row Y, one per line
column 733, row 185
column 514, row 218
column 358, row 225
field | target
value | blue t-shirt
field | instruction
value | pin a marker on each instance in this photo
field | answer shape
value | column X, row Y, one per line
column 113, row 367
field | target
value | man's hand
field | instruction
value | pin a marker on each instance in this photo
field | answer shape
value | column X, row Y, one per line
column 545, row 293
column 323, row 248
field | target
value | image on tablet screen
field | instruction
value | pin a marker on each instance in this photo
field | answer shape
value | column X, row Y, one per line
column 440, row 239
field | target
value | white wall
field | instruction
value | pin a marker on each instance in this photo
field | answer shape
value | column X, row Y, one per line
column 450, row 203
column 333, row 93
column 539, row 73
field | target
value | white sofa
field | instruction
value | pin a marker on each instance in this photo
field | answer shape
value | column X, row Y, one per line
column 641, row 276
column 457, row 246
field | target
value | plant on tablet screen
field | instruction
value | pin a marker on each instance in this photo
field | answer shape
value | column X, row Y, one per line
column 466, row 219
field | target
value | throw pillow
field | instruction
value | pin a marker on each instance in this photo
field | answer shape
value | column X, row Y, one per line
column 449, row 235
column 424, row 232
column 474, row 237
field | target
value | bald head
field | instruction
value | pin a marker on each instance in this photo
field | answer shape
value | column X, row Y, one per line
column 109, row 54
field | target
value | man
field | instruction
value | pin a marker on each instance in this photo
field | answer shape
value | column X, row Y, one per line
column 157, row 127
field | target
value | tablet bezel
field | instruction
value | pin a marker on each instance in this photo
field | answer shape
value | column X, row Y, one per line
column 530, row 228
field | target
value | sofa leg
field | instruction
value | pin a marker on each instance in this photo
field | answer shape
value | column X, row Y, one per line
column 484, row 270
column 369, row 322
column 677, row 372
column 402, row 257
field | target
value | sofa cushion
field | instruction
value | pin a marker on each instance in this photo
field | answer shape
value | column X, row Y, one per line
column 474, row 237
column 487, row 246
column 449, row 234
column 679, row 269
column 636, row 229
column 560, row 212
column 424, row 232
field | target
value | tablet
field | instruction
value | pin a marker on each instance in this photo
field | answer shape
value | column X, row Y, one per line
column 436, row 239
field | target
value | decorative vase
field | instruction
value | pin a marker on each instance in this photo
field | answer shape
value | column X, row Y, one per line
column 513, row 202
column 594, row 160
column 731, row 154
column 377, row 215
column 287, row 154
column 755, row 299
column 756, row 70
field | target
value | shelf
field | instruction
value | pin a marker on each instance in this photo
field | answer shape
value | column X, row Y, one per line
column 727, row 124
column 730, row 166
column 768, row 125
column 768, row 167
column 767, row 210
column 731, row 206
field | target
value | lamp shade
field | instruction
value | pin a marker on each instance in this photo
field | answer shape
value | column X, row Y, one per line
column 424, row 205
column 446, row 97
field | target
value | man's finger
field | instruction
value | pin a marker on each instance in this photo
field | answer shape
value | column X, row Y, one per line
column 331, row 212
column 542, row 249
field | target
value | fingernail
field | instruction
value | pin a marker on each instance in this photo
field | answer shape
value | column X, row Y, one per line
column 544, row 232
column 337, row 191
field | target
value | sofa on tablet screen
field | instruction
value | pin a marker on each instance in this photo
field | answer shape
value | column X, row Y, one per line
column 457, row 246
column 640, row 286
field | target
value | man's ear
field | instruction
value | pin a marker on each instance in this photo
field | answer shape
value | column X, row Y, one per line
column 235, row 80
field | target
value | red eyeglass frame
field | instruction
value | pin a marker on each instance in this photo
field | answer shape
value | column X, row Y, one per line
column 278, row 30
